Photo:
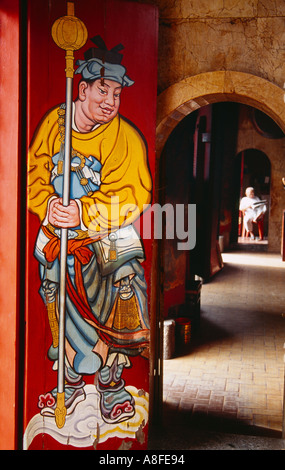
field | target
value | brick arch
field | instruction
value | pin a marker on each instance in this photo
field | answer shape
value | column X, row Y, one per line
column 196, row 91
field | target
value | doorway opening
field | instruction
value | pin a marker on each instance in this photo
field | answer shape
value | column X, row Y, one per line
column 253, row 169
column 198, row 166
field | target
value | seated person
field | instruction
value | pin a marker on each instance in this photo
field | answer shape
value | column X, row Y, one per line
column 253, row 210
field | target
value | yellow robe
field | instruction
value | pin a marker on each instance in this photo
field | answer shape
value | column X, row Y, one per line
column 125, row 173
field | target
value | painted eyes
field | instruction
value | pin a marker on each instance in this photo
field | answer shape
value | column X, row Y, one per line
column 102, row 92
column 105, row 93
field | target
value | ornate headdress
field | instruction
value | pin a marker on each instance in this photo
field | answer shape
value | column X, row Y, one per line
column 103, row 63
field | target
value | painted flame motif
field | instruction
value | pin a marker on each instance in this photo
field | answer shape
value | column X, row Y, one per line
column 46, row 400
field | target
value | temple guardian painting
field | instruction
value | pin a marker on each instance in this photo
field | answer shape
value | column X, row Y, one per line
column 88, row 180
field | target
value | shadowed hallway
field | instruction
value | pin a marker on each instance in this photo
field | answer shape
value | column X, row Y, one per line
column 225, row 391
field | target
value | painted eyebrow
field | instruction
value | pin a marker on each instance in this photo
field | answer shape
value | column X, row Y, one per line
column 117, row 88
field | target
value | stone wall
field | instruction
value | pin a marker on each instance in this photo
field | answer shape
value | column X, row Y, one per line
column 241, row 42
column 198, row 36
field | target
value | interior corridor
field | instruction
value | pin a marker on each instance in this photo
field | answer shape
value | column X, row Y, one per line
column 225, row 391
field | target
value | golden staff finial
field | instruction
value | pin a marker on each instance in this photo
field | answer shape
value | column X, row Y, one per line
column 69, row 33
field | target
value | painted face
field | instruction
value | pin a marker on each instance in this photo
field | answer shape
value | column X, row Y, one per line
column 101, row 102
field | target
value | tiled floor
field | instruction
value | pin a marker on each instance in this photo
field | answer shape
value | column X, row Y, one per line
column 230, row 378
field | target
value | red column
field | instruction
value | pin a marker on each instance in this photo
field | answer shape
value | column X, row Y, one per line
column 9, row 228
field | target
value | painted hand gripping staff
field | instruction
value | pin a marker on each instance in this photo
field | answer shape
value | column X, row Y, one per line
column 105, row 318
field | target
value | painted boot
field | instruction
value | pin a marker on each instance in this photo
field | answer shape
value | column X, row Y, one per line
column 116, row 403
column 74, row 394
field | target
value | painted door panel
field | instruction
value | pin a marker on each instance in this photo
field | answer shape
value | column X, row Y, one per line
column 90, row 421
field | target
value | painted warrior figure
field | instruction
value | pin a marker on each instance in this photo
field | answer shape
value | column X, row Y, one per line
column 106, row 301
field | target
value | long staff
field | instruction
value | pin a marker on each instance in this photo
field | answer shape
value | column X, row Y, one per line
column 70, row 34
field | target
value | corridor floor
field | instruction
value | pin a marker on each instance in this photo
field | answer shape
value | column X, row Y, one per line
column 225, row 390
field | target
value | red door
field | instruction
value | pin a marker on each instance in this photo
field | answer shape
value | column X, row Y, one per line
column 87, row 376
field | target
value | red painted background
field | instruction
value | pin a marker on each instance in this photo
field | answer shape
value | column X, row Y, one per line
column 135, row 26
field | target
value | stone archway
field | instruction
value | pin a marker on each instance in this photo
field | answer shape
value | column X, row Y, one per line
column 173, row 105
column 196, row 91
column 193, row 92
